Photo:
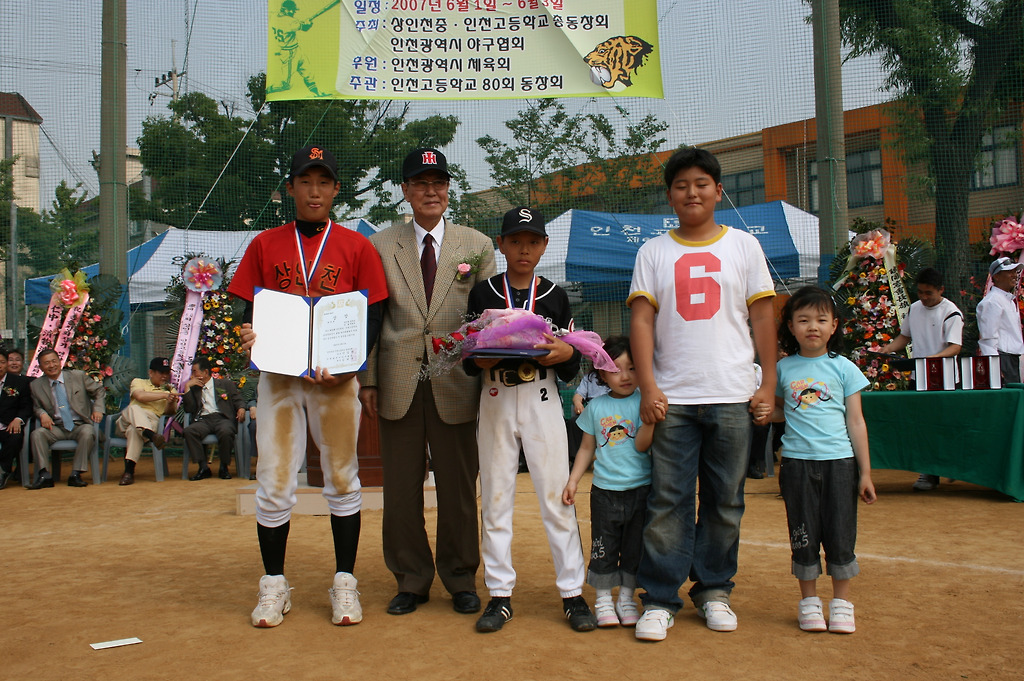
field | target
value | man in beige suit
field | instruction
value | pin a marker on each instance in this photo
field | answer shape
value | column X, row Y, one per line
column 427, row 298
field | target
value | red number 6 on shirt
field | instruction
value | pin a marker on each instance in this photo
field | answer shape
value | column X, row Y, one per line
column 689, row 286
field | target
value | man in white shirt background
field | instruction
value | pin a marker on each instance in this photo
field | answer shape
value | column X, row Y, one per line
column 216, row 407
column 999, row 331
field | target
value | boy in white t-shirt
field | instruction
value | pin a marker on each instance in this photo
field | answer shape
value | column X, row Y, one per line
column 694, row 291
column 936, row 327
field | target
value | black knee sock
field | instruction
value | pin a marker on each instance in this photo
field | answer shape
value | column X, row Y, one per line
column 273, row 542
column 346, row 540
column 129, row 466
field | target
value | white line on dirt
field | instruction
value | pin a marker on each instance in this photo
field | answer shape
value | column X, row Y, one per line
column 904, row 559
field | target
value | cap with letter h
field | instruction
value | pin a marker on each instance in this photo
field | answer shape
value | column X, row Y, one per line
column 422, row 160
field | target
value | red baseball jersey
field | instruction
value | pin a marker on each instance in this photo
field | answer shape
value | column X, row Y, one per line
column 348, row 262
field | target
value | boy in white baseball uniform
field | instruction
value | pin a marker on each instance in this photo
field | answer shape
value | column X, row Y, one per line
column 520, row 406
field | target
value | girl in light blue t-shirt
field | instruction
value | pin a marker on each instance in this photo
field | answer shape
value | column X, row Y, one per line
column 825, row 462
column 617, row 441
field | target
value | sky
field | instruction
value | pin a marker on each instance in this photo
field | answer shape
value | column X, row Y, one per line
column 729, row 68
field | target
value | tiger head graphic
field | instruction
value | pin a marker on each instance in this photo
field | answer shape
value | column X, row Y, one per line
column 611, row 61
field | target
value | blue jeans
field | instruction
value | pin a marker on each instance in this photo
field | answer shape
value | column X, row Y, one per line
column 709, row 443
column 616, row 531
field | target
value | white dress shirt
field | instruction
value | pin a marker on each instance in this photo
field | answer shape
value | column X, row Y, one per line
column 999, row 324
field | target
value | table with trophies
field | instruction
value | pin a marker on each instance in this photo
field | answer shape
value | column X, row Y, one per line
column 975, row 435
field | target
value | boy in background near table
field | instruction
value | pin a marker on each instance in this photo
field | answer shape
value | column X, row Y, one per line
column 313, row 256
column 694, row 291
column 999, row 320
column 935, row 325
column 151, row 399
column 520, row 406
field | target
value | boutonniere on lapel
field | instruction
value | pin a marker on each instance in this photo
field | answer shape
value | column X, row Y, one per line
column 11, row 392
column 468, row 266
column 223, row 396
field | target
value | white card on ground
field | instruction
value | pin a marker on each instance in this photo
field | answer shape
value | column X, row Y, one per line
column 115, row 644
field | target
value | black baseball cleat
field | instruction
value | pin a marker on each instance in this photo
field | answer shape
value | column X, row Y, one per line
column 497, row 612
column 579, row 614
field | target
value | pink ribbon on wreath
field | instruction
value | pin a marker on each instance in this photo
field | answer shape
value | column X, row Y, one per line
column 188, row 339
column 55, row 334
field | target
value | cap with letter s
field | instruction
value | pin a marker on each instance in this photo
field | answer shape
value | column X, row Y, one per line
column 523, row 219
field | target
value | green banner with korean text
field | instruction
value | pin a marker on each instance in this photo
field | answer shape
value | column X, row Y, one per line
column 462, row 49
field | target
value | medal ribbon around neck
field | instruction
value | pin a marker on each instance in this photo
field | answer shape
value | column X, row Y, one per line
column 316, row 258
column 531, row 299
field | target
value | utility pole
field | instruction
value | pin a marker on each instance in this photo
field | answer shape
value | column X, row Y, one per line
column 171, row 77
column 12, row 259
column 833, row 219
column 113, row 212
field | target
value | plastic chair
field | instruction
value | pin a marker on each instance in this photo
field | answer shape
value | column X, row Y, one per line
column 241, row 448
column 159, row 462
column 62, row 446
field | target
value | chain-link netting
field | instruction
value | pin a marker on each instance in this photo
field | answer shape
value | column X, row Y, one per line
column 932, row 130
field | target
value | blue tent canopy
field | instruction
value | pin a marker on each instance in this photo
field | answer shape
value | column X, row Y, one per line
column 598, row 249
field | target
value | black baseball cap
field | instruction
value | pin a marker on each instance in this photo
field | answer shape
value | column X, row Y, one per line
column 161, row 364
column 523, row 219
column 311, row 156
column 421, row 160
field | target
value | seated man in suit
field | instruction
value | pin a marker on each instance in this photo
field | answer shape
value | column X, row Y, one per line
column 216, row 407
column 15, row 411
column 67, row 403
column 151, row 399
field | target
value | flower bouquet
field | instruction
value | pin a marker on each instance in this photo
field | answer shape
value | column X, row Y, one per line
column 510, row 329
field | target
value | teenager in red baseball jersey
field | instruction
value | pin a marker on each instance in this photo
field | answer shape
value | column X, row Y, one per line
column 312, row 256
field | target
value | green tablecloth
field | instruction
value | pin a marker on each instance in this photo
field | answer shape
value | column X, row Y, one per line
column 971, row 435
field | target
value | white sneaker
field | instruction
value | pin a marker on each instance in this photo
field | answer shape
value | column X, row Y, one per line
column 926, row 483
column 654, row 624
column 840, row 617
column 718, row 616
column 627, row 612
column 345, row 608
column 604, row 608
column 275, row 601
column 811, row 617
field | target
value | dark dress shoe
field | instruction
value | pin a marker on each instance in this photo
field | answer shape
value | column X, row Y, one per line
column 465, row 602
column 41, row 482
column 127, row 479
column 224, row 475
column 405, row 602
column 4, row 477
column 156, row 438
column 76, row 481
column 203, row 474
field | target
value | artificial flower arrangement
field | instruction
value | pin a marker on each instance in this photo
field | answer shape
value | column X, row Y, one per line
column 511, row 329
column 219, row 338
column 871, row 295
column 468, row 266
column 1007, row 239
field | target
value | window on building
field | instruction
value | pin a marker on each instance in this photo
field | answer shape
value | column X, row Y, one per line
column 863, row 180
column 997, row 163
column 743, row 189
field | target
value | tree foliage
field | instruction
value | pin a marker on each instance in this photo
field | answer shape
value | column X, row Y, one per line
column 956, row 65
column 558, row 160
column 187, row 154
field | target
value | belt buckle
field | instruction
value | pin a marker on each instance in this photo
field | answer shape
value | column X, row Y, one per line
column 509, row 378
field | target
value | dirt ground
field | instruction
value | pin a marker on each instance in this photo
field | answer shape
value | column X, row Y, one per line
column 939, row 596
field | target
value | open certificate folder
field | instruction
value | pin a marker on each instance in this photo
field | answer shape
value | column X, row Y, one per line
column 297, row 334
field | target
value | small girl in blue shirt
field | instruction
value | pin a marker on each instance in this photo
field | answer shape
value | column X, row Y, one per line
column 614, row 434
column 825, row 461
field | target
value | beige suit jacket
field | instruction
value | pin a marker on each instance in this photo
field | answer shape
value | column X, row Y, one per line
column 85, row 395
column 409, row 326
